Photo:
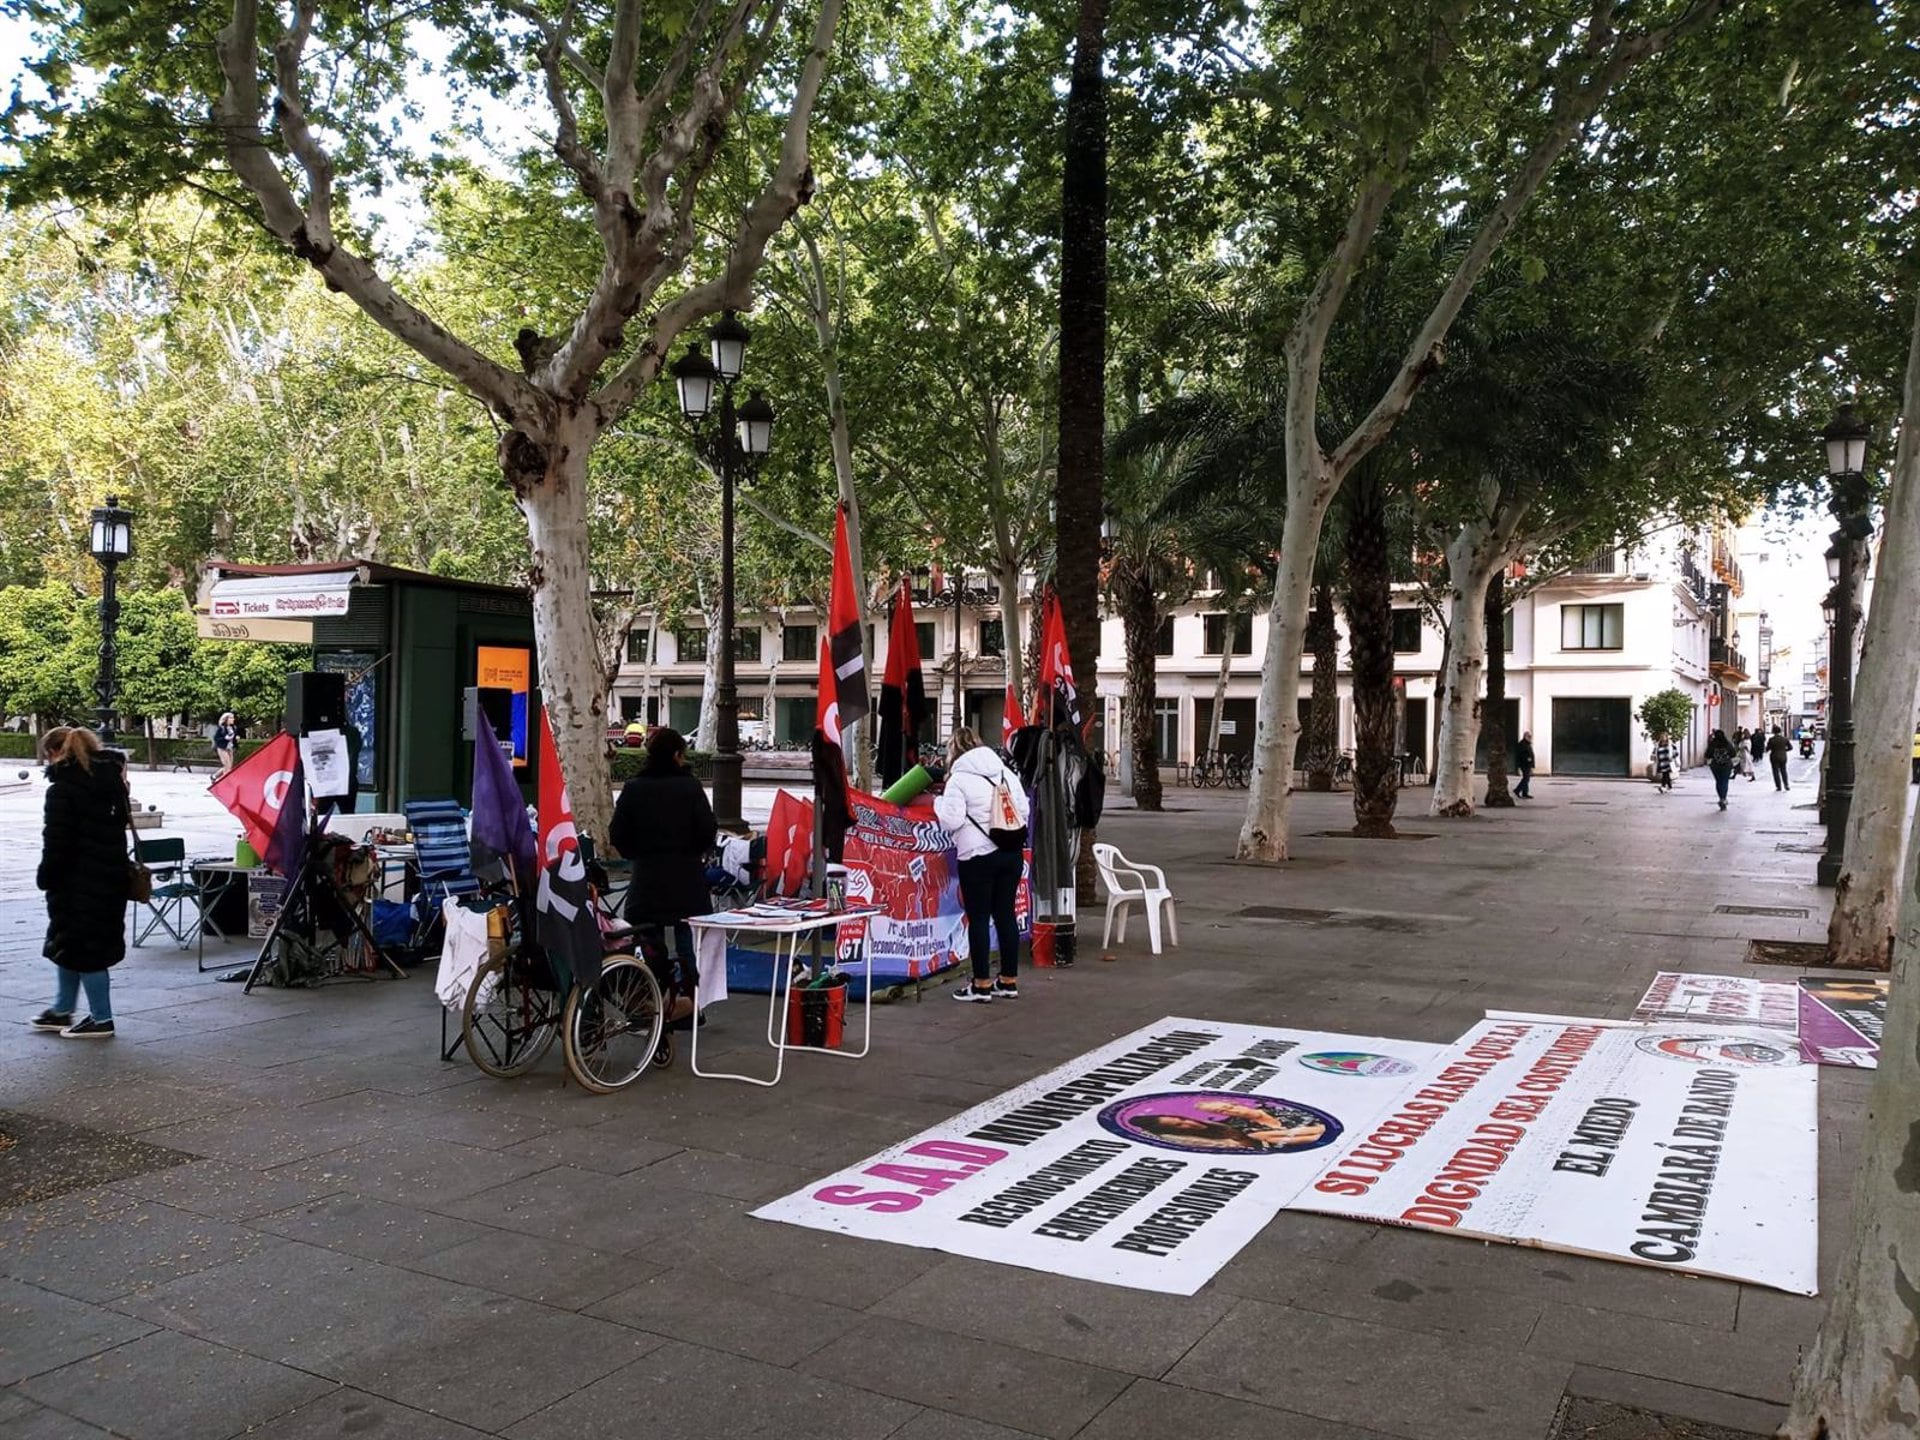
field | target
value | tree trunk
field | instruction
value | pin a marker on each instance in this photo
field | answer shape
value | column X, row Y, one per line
column 1867, row 895
column 1376, row 769
column 1323, row 711
column 1006, row 574
column 1859, row 1381
column 1140, row 615
column 1472, row 559
column 1080, row 480
column 550, row 480
column 1493, row 713
column 702, row 738
column 1230, row 627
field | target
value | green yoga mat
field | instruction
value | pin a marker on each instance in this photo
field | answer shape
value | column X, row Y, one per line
column 907, row 786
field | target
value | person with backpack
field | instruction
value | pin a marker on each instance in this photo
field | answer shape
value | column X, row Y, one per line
column 1720, row 762
column 1665, row 757
column 984, row 809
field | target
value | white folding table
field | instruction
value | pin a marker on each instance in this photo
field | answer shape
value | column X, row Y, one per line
column 711, row 934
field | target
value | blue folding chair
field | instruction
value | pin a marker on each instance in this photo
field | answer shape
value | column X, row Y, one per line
column 442, row 856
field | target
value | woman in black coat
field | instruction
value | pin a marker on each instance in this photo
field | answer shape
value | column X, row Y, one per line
column 663, row 824
column 83, row 870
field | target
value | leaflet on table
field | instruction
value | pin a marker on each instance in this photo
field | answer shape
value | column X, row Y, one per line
column 1691, row 1147
column 1148, row 1162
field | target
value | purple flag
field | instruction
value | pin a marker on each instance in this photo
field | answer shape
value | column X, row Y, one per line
column 499, row 813
column 288, row 845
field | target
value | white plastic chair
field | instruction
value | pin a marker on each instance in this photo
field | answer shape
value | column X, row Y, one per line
column 1127, row 882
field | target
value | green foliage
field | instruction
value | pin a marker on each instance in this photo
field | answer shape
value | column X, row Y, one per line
column 40, row 672
column 1668, row 713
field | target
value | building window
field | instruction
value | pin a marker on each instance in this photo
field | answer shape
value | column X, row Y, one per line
column 1591, row 627
column 1506, row 632
column 1406, row 632
column 923, row 631
column 690, row 644
column 1163, row 642
column 993, row 638
column 799, row 642
column 1216, row 634
column 637, row 640
column 1166, row 727
column 746, row 644
column 632, row 708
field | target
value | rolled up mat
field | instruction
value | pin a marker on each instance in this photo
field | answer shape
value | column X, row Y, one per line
column 907, row 786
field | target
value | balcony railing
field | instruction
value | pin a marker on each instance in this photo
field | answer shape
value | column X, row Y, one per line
column 1724, row 659
column 1602, row 562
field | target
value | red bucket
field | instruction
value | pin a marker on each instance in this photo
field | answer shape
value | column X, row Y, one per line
column 817, row 1017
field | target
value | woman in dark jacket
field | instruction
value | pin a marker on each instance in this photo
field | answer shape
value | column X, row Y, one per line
column 663, row 824
column 83, row 870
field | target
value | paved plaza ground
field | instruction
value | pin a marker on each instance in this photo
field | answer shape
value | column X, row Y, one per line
column 333, row 1233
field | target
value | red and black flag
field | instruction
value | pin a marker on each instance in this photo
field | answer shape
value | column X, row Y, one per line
column 903, row 693
column 1062, row 696
column 849, row 678
column 835, row 815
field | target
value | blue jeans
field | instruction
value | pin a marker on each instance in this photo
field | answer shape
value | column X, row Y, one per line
column 1721, row 775
column 99, row 1006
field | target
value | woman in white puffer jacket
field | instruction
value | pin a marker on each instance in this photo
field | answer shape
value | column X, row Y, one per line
column 981, row 795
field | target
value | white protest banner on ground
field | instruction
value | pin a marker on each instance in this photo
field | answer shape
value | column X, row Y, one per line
column 1149, row 1162
column 1721, row 1000
column 1689, row 1147
column 1841, row 1018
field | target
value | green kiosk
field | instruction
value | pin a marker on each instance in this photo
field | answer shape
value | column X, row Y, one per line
column 413, row 647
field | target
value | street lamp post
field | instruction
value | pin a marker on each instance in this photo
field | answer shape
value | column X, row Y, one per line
column 1846, row 441
column 959, row 595
column 733, row 447
column 110, row 540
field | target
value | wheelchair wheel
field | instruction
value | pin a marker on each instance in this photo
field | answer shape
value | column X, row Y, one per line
column 613, row 1030
column 509, row 1019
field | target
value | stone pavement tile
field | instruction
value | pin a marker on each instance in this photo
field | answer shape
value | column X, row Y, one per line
column 354, row 1413
column 1482, row 1314
column 730, row 1175
column 1754, row 1365
column 42, row 1331
column 595, row 1147
column 1401, row 1382
column 173, row 1387
column 1292, row 1236
column 685, row 1390
column 568, row 1277
column 258, row 1137
column 213, row 1187
column 28, row 1421
column 412, row 1170
column 1457, row 1265
column 369, row 1228
column 602, row 1212
column 128, row 1106
column 795, row 1260
column 1779, row 1317
column 1001, row 1384
column 1138, row 1331
column 1150, row 1410
column 135, row 1249
column 702, row 1307
column 944, row 1425
column 1688, row 1402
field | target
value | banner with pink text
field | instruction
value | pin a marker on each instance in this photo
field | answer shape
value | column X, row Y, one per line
column 1148, row 1163
column 1691, row 1147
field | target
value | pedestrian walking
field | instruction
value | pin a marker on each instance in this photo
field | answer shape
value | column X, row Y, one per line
column 1720, row 753
column 226, row 740
column 1663, row 762
column 984, row 809
column 663, row 823
column 1757, row 743
column 1742, row 757
column 1778, row 748
column 1523, row 760
column 84, row 874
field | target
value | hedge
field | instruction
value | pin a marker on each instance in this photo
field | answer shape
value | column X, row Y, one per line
column 191, row 749
column 627, row 763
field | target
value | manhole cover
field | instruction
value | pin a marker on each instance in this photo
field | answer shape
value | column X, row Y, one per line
column 1284, row 912
column 1352, row 919
column 1603, row 1420
column 1780, row 832
column 1802, row 849
column 1785, row 912
column 1803, row 953
column 48, row 1158
column 1814, row 806
column 1588, row 802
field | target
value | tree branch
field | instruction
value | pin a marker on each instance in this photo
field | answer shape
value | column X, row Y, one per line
column 781, row 522
column 566, row 140
column 551, row 33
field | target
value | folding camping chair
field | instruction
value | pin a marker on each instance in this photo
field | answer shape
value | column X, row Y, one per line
column 173, row 890
column 443, row 857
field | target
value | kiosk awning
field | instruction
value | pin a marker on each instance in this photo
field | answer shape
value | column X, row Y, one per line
column 274, row 607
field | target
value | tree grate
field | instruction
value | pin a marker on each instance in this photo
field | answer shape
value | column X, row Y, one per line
column 1582, row 1419
column 1349, row 835
column 1805, row 954
column 46, row 1158
column 1785, row 912
column 1802, row 849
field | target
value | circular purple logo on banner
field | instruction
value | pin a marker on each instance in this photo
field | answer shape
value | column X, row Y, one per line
column 1723, row 1049
column 1221, row 1123
column 1355, row 1062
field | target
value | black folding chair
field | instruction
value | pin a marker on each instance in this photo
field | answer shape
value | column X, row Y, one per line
column 174, row 891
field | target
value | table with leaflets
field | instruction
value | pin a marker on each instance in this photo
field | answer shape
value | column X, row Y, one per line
column 786, row 921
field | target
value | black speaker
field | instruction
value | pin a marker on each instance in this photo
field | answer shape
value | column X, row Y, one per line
column 316, row 700
column 493, row 702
